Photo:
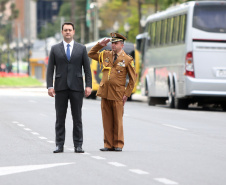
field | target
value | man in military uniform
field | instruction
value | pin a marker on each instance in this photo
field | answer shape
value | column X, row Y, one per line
column 116, row 64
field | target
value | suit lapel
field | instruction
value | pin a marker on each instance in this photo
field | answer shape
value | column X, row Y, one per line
column 74, row 50
column 62, row 50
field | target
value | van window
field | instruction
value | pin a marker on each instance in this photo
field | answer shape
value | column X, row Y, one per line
column 210, row 18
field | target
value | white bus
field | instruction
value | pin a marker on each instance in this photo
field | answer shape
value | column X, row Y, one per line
column 184, row 55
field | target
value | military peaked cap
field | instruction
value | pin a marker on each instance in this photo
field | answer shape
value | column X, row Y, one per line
column 116, row 37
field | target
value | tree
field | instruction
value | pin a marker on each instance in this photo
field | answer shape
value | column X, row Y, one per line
column 6, row 28
column 124, row 11
column 71, row 11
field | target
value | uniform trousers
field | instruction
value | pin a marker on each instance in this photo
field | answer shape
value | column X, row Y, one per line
column 61, row 105
column 112, row 116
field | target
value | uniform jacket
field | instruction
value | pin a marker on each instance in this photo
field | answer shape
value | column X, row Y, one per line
column 112, row 85
column 68, row 74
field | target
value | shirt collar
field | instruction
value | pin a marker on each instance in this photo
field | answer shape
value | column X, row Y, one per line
column 119, row 53
column 71, row 43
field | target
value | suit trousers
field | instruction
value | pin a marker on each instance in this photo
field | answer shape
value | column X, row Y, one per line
column 112, row 115
column 61, row 105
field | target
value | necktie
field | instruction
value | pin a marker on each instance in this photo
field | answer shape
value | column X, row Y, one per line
column 68, row 52
column 115, row 57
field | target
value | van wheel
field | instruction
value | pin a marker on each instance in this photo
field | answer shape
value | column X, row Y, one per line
column 151, row 101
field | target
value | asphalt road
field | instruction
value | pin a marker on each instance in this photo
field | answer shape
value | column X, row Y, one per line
column 162, row 145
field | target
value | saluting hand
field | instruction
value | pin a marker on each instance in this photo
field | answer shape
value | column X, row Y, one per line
column 124, row 99
column 104, row 42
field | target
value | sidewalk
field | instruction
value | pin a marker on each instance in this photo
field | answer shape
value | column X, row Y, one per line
column 43, row 91
column 139, row 97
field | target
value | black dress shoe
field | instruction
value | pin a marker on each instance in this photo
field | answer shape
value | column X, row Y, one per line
column 79, row 149
column 59, row 149
column 106, row 149
column 118, row 149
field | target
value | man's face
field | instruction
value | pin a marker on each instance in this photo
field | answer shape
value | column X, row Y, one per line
column 68, row 32
column 117, row 46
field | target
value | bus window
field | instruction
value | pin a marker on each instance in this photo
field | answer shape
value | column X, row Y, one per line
column 153, row 36
column 170, row 30
column 148, row 31
column 182, row 28
column 158, row 33
column 164, row 31
column 176, row 29
column 210, row 18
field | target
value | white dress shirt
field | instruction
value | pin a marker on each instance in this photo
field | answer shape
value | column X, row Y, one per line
column 71, row 46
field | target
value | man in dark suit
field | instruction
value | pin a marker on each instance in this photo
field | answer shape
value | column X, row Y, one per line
column 66, row 60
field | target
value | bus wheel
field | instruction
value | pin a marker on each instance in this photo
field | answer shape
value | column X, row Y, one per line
column 129, row 98
column 93, row 95
column 151, row 101
column 180, row 103
column 223, row 106
column 171, row 98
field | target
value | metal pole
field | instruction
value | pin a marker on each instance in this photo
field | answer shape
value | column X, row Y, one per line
column 28, row 58
column 96, row 29
column 17, row 57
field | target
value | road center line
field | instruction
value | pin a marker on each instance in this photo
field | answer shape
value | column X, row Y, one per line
column 20, row 125
column 140, row 172
column 97, row 157
column 165, row 181
column 35, row 133
column 15, row 122
column 116, row 164
column 85, row 153
column 18, row 169
column 27, row 129
column 42, row 137
column 180, row 128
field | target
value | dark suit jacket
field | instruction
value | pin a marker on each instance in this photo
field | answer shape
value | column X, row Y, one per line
column 68, row 74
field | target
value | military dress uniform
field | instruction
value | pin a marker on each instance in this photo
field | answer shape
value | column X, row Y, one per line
column 112, row 89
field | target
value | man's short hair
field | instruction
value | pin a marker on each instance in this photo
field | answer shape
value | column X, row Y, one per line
column 68, row 23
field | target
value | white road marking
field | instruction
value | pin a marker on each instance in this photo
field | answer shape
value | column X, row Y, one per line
column 15, row 122
column 42, row 137
column 165, row 181
column 97, row 157
column 19, row 169
column 35, row 133
column 20, row 125
column 140, row 172
column 27, row 129
column 117, row 164
column 50, row 141
column 175, row 127
column 85, row 153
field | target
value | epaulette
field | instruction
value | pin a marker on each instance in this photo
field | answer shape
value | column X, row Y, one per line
column 130, row 56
